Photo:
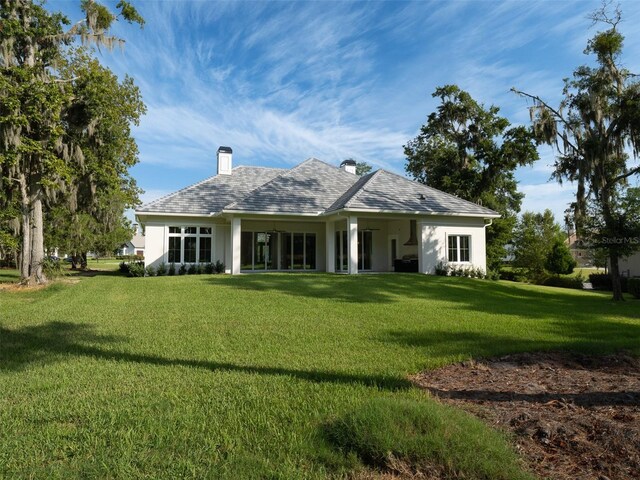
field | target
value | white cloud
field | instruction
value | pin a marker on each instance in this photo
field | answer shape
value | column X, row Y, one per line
column 552, row 196
column 281, row 82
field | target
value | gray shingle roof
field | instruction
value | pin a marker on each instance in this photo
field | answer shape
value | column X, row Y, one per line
column 212, row 194
column 387, row 191
column 311, row 187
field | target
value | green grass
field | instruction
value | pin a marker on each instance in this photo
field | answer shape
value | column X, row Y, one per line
column 238, row 377
column 425, row 436
column 9, row 275
column 585, row 272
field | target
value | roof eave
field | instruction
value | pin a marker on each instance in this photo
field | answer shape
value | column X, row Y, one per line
column 414, row 212
column 176, row 214
column 264, row 212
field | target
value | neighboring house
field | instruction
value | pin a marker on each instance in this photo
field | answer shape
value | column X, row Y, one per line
column 630, row 266
column 581, row 255
column 313, row 217
column 135, row 246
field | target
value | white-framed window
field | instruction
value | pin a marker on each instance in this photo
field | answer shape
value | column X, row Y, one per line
column 459, row 248
column 190, row 244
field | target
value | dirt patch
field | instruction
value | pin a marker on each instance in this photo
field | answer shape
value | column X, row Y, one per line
column 17, row 287
column 574, row 416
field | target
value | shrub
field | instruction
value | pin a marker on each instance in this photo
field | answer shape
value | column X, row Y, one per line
column 559, row 259
column 442, row 269
column 182, row 270
column 633, row 286
column 136, row 269
column 162, row 269
column 564, row 282
column 209, row 268
column 124, row 268
column 459, row 271
column 151, row 271
column 219, row 268
column 419, row 434
column 602, row 281
column 192, row 269
column 511, row 275
column 52, row 267
column 492, row 275
column 172, row 269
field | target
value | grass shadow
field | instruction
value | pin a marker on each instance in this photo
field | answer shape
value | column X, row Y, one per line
column 9, row 275
column 51, row 342
column 460, row 293
column 570, row 334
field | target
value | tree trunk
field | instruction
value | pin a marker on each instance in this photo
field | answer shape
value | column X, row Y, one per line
column 25, row 250
column 611, row 229
column 581, row 205
column 37, row 242
column 616, row 285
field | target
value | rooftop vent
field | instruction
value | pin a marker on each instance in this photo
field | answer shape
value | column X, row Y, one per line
column 225, row 163
column 349, row 165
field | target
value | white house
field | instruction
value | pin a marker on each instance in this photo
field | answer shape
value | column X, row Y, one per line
column 313, row 217
column 135, row 246
column 630, row 266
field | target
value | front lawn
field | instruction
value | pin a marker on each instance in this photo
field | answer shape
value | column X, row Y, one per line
column 248, row 376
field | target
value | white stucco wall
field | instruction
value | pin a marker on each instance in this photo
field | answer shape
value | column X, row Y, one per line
column 157, row 237
column 155, row 244
column 434, row 241
column 432, row 231
column 630, row 266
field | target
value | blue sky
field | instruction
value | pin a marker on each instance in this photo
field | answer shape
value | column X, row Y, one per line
column 283, row 81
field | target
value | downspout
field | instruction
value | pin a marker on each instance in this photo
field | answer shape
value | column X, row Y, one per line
column 485, row 244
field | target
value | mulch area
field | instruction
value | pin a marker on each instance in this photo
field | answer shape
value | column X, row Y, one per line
column 573, row 416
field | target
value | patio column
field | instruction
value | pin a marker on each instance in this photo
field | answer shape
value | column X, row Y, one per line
column 330, row 250
column 235, row 245
column 352, row 225
column 421, row 240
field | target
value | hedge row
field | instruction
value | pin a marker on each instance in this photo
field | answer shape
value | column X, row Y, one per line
column 602, row 281
column 137, row 269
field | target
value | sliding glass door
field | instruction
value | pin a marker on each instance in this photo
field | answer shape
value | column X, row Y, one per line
column 365, row 250
column 278, row 251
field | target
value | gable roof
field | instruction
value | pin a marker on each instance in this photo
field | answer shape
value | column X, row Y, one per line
column 311, row 188
column 137, row 241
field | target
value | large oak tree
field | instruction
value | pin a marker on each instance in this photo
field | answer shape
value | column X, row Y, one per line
column 596, row 131
column 39, row 155
column 470, row 151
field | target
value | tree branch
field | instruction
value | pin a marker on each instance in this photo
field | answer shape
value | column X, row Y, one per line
column 537, row 99
column 633, row 171
column 60, row 80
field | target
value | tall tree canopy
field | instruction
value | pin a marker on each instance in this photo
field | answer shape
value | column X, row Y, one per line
column 596, row 133
column 470, row 151
column 538, row 245
column 362, row 168
column 49, row 137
